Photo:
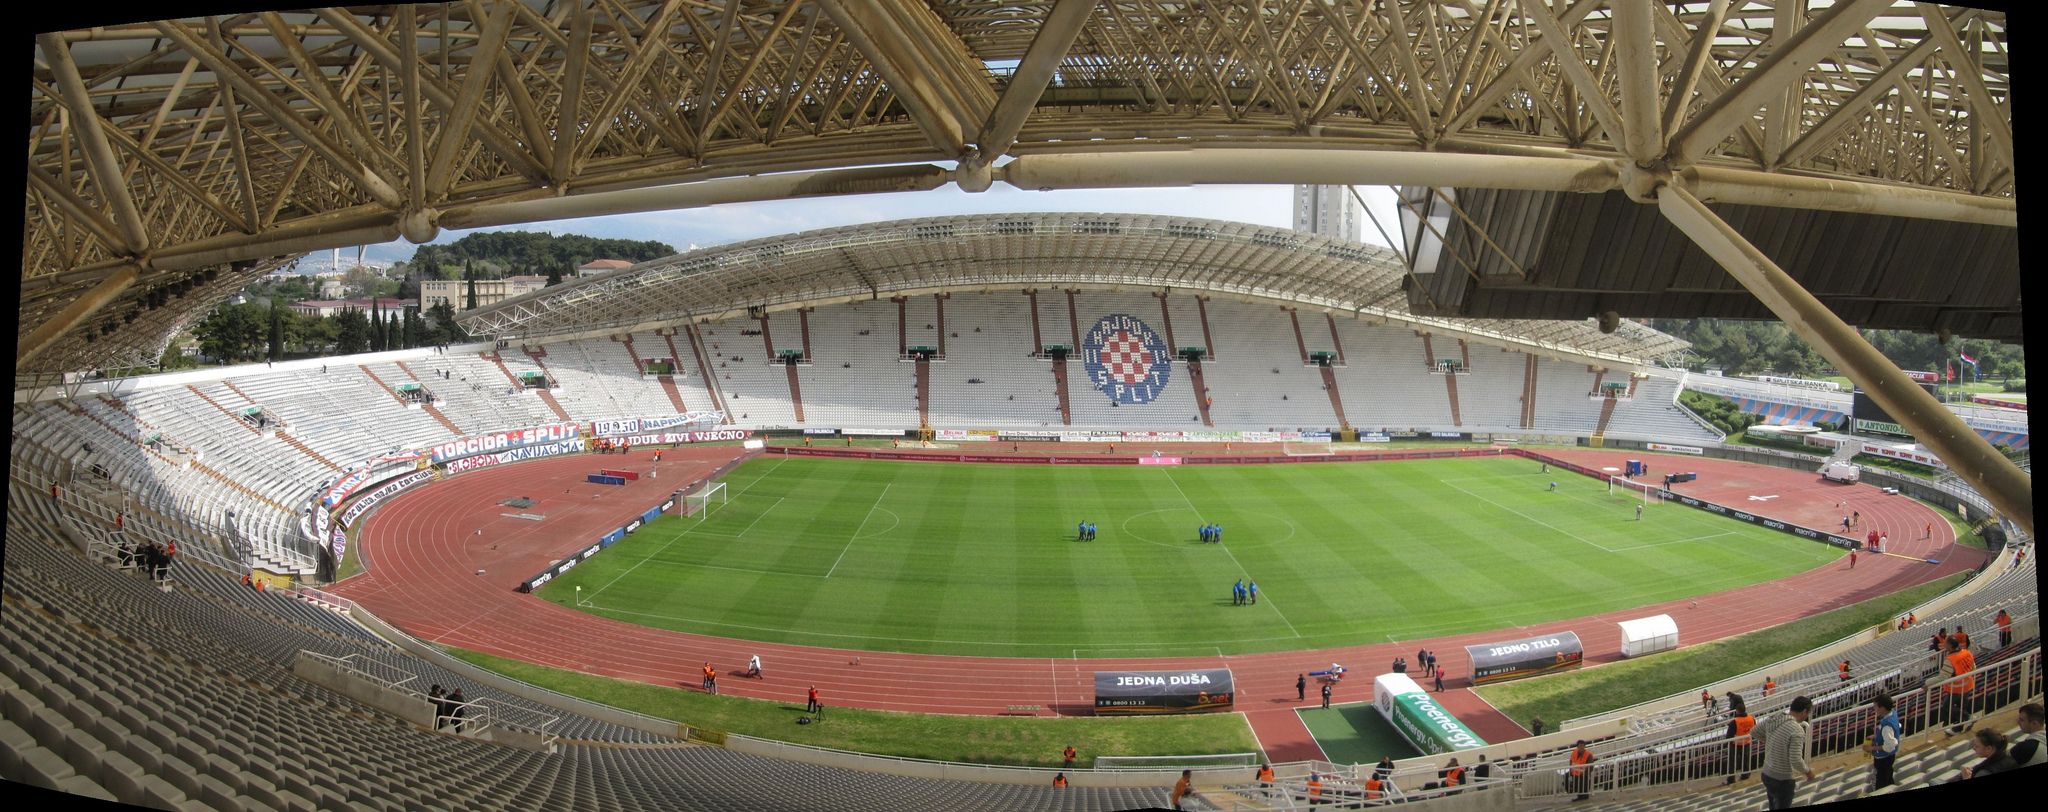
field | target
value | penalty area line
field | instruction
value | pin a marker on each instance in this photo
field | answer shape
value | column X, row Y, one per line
column 856, row 531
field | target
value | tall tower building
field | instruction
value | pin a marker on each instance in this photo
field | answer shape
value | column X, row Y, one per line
column 1327, row 210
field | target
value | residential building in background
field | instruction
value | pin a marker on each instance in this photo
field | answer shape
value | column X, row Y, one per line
column 1328, row 210
column 394, row 309
column 488, row 291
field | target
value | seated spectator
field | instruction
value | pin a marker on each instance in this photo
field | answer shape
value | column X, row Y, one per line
column 1990, row 746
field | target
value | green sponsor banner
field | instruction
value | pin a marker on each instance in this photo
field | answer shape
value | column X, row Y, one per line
column 1881, row 427
column 1429, row 727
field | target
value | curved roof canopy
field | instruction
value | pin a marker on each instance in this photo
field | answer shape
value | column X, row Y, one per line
column 1018, row 251
column 160, row 150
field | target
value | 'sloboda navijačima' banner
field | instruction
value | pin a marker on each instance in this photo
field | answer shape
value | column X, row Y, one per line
column 1527, row 657
column 1154, row 692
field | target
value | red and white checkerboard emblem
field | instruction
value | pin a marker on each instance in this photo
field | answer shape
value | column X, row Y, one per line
column 1126, row 360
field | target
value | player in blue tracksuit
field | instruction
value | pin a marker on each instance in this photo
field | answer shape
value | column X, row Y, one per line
column 1081, row 531
column 1252, row 591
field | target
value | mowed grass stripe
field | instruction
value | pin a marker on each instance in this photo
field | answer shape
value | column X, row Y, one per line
column 981, row 559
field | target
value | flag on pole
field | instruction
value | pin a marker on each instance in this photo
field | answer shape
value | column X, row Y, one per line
column 1950, row 370
column 1971, row 361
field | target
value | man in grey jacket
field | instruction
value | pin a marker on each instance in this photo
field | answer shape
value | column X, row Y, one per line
column 1784, row 739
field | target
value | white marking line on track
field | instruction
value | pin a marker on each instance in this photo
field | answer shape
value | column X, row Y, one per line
column 679, row 536
column 1226, row 551
column 856, row 531
column 1559, row 530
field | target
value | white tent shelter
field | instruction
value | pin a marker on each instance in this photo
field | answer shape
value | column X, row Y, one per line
column 1648, row 635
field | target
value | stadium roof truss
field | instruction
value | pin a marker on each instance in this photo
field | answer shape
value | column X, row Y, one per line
column 1017, row 251
column 159, row 150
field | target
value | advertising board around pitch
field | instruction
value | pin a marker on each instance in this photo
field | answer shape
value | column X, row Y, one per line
column 1200, row 690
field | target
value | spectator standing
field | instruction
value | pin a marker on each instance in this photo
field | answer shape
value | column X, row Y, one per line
column 1432, row 663
column 434, row 696
column 1740, row 723
column 1300, row 687
column 2004, row 622
column 1536, row 726
column 1957, row 685
column 1989, row 745
column 1439, row 682
column 1181, row 788
column 1058, row 781
column 1883, row 746
column 1067, row 757
column 1326, row 695
column 1577, row 780
column 811, row 705
column 1784, row 738
column 1769, row 685
column 1707, row 701
column 1265, row 775
column 456, row 707
column 2027, row 749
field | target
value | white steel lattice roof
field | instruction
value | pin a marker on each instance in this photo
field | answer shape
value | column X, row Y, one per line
column 1018, row 251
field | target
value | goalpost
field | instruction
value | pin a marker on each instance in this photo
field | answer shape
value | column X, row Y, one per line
column 1650, row 495
column 701, row 503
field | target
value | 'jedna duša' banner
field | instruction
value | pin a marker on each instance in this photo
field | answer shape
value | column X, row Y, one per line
column 1419, row 718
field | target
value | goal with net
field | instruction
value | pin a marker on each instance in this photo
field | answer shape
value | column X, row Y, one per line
column 1175, row 762
column 1649, row 494
column 706, row 499
column 1306, row 449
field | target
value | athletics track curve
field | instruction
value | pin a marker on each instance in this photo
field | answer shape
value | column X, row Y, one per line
column 423, row 557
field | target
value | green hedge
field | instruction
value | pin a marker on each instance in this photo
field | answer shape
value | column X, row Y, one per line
column 1718, row 411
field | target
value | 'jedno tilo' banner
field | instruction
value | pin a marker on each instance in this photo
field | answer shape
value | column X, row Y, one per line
column 1527, row 657
column 1154, row 692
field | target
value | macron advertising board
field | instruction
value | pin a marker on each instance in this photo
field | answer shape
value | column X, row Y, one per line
column 1155, row 692
column 1422, row 721
column 1527, row 657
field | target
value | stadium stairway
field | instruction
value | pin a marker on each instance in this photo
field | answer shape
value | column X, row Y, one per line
column 703, row 369
column 539, row 356
column 429, row 408
column 1451, row 387
column 796, row 390
column 1606, row 414
column 1059, row 385
column 1529, row 392
column 1201, row 392
column 675, row 396
column 231, row 416
column 1336, row 400
column 924, row 393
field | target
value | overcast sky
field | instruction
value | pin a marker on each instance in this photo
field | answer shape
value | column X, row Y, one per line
column 716, row 225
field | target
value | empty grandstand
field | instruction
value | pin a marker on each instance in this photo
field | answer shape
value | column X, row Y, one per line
column 179, row 632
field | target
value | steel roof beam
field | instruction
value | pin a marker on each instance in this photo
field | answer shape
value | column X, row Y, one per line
column 92, row 139
column 1785, row 65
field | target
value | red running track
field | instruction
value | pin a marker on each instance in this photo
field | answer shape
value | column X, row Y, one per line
column 424, row 556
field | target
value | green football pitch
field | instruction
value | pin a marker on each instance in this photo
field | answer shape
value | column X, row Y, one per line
column 982, row 559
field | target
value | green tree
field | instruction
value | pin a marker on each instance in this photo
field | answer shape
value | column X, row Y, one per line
column 444, row 324
column 231, row 333
column 277, row 317
column 352, row 332
column 554, row 275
